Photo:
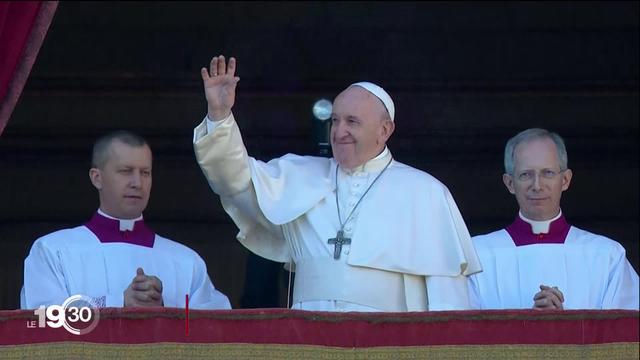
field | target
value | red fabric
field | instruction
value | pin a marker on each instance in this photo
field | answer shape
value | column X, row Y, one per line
column 108, row 231
column 23, row 25
column 281, row 326
column 16, row 21
column 522, row 234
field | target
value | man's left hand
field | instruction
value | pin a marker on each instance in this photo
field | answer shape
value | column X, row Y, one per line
column 548, row 298
column 144, row 290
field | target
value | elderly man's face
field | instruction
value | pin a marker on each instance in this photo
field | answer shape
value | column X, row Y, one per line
column 358, row 131
column 537, row 181
column 124, row 182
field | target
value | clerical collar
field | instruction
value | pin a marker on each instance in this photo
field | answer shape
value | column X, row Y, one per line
column 374, row 165
column 525, row 231
column 109, row 230
column 539, row 227
column 125, row 224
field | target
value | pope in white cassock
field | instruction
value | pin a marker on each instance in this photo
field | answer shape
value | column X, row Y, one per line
column 540, row 261
column 108, row 258
column 364, row 232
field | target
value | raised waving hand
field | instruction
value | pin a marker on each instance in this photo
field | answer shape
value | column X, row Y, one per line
column 219, row 87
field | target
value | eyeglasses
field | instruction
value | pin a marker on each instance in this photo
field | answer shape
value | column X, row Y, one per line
column 544, row 173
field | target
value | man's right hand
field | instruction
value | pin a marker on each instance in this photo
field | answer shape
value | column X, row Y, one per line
column 548, row 298
column 144, row 290
column 220, row 87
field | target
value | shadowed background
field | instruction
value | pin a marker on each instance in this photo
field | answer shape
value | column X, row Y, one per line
column 465, row 76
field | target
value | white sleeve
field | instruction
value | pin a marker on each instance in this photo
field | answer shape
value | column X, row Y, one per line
column 203, row 294
column 475, row 301
column 113, row 300
column 210, row 127
column 224, row 161
column 44, row 282
column 448, row 293
column 623, row 291
column 222, row 156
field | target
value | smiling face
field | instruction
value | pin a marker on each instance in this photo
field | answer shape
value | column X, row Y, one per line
column 124, row 180
column 360, row 127
column 537, row 180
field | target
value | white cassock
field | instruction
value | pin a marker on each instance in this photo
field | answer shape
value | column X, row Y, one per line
column 592, row 271
column 407, row 229
column 75, row 262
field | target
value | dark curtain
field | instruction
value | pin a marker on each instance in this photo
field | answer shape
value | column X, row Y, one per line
column 23, row 26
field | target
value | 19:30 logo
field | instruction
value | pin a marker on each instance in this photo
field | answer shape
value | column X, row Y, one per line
column 76, row 315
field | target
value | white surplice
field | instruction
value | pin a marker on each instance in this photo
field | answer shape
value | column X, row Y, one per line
column 410, row 249
column 592, row 272
column 74, row 262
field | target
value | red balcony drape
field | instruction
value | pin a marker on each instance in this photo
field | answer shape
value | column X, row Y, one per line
column 148, row 333
column 23, row 26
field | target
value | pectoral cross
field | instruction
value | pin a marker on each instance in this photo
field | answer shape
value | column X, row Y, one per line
column 337, row 242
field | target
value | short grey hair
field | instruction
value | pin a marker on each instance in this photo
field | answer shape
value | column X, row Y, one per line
column 101, row 146
column 530, row 135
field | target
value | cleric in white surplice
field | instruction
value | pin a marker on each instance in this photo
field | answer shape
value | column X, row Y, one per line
column 540, row 261
column 115, row 259
column 364, row 231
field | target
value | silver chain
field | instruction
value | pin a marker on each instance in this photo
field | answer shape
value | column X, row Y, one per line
column 362, row 197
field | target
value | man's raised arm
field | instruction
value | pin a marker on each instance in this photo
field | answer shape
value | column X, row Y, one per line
column 217, row 141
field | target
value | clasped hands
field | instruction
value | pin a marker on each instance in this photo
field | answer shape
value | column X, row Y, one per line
column 144, row 291
column 548, row 298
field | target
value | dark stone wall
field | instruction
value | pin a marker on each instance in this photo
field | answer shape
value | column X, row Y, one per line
column 465, row 77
